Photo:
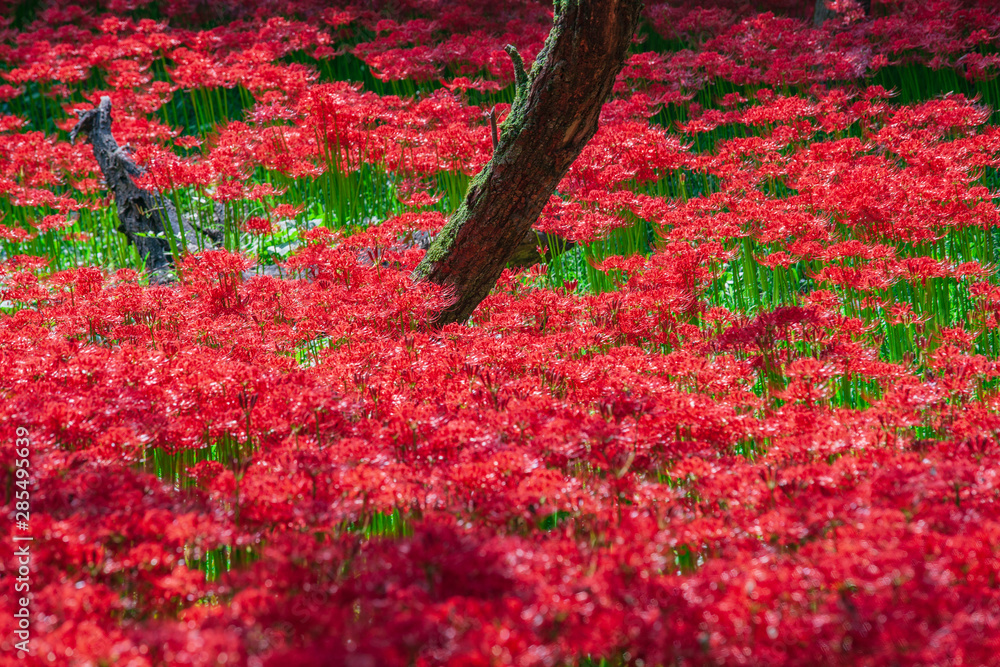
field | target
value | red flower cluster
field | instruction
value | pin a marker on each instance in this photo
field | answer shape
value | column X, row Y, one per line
column 751, row 418
column 561, row 485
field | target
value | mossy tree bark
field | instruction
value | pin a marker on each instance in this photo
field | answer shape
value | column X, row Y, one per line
column 554, row 114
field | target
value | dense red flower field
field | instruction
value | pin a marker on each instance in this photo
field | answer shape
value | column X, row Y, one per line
column 751, row 417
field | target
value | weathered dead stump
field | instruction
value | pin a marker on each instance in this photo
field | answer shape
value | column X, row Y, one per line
column 149, row 221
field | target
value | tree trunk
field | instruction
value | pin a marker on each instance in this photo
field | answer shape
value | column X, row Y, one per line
column 554, row 115
column 142, row 214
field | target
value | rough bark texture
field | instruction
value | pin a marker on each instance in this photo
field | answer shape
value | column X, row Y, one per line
column 554, row 115
column 142, row 214
column 525, row 254
column 823, row 12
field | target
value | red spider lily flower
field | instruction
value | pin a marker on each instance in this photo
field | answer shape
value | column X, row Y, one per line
column 319, row 235
column 188, row 142
column 258, row 226
column 419, row 200
column 53, row 223
column 287, row 210
column 15, row 234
